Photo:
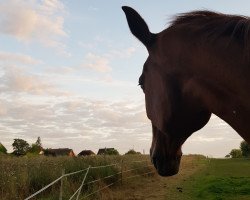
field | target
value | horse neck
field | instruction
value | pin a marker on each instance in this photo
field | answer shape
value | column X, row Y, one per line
column 224, row 90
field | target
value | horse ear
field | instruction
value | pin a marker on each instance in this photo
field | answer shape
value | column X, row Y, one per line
column 138, row 26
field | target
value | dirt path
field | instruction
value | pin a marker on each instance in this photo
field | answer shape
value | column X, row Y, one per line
column 155, row 187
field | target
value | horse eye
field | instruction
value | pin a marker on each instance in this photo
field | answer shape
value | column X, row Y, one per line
column 142, row 86
column 141, row 82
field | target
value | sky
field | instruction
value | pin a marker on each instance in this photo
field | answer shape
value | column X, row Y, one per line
column 69, row 73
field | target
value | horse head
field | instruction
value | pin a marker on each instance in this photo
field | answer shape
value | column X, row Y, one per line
column 175, row 112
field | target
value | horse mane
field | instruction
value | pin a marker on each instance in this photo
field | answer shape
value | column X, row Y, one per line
column 213, row 25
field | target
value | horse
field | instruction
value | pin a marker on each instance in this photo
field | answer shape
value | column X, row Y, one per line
column 197, row 66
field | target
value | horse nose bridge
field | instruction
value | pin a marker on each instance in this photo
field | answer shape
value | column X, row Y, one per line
column 161, row 144
column 164, row 146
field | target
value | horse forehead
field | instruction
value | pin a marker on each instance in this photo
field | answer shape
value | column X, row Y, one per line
column 152, row 65
column 161, row 64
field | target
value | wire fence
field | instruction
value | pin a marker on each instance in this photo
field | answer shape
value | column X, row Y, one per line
column 123, row 170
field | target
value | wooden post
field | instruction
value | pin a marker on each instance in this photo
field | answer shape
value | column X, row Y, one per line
column 61, row 187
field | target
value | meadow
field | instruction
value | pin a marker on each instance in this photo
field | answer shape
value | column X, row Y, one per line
column 221, row 179
column 199, row 178
column 22, row 176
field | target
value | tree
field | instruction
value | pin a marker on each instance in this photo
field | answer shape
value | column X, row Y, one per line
column 36, row 147
column 132, row 152
column 111, row 152
column 20, row 147
column 245, row 149
column 235, row 153
column 2, row 149
column 38, row 142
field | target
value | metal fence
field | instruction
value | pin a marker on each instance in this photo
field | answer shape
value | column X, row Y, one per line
column 86, row 171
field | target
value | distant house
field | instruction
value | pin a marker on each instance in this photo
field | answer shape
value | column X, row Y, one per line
column 108, row 151
column 86, row 153
column 59, row 152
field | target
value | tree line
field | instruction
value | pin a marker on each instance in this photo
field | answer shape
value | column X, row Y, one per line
column 22, row 147
column 242, row 152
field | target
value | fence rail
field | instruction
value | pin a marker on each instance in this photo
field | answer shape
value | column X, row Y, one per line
column 86, row 170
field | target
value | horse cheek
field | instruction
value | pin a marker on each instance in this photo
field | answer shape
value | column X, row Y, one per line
column 157, row 111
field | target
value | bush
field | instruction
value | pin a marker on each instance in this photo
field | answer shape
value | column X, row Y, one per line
column 35, row 149
column 111, row 152
column 236, row 153
column 132, row 152
column 2, row 149
column 245, row 149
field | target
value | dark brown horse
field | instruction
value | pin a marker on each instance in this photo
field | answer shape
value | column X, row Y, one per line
column 198, row 66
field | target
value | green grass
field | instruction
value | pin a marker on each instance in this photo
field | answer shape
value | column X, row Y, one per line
column 220, row 179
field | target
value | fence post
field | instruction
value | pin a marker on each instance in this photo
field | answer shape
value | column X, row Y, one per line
column 121, row 171
column 80, row 188
column 61, row 187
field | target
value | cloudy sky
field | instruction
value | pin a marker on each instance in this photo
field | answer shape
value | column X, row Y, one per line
column 69, row 72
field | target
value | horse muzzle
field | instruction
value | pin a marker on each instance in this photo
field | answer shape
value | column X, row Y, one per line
column 166, row 166
column 165, row 153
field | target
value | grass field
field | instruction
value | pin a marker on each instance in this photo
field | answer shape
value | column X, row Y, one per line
column 22, row 176
column 199, row 178
column 221, row 179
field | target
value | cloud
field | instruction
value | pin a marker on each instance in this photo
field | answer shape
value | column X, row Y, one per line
column 72, row 120
column 34, row 21
column 97, row 63
column 101, row 63
column 205, row 139
column 93, row 8
column 122, row 53
column 7, row 57
column 51, row 6
column 19, row 76
column 17, row 80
